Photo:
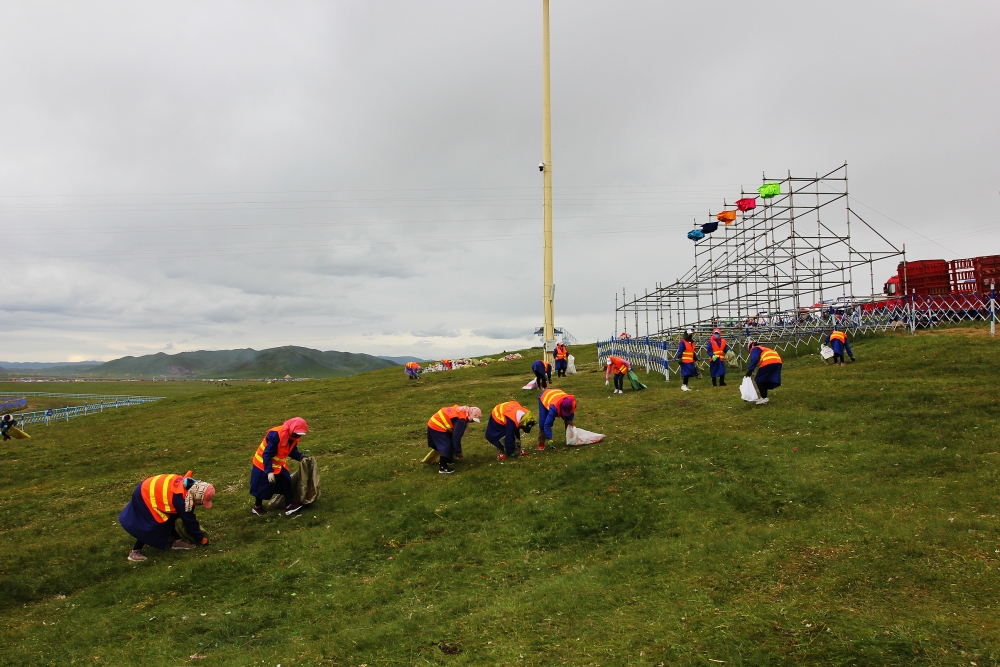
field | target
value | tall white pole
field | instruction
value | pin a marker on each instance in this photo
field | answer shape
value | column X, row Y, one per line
column 548, row 287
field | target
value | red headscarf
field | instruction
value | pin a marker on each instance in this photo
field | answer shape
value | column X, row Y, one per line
column 296, row 425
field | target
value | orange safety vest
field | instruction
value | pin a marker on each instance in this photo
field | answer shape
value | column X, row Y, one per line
column 687, row 355
column 412, row 365
column 618, row 365
column 443, row 418
column 278, row 462
column 158, row 493
column 718, row 348
column 561, row 351
column 768, row 357
column 551, row 397
column 838, row 335
column 508, row 410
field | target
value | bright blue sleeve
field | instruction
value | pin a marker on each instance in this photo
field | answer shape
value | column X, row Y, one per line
column 680, row 350
column 295, row 453
column 270, row 449
column 828, row 339
column 754, row 358
column 850, row 352
column 188, row 518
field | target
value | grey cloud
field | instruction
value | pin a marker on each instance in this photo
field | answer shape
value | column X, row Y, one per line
column 504, row 333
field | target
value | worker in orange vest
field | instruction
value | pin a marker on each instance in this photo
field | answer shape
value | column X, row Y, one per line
column 445, row 430
column 503, row 429
column 838, row 341
column 562, row 359
column 768, row 365
column 543, row 373
column 717, row 349
column 412, row 370
column 619, row 368
column 269, row 474
column 157, row 502
column 686, row 357
column 554, row 403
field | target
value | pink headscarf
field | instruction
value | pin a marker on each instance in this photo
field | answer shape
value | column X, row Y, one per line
column 296, row 425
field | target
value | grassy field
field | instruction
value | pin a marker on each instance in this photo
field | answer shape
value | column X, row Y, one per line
column 853, row 521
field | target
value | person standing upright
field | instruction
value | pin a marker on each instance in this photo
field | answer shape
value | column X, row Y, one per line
column 686, row 357
column 717, row 349
column 562, row 359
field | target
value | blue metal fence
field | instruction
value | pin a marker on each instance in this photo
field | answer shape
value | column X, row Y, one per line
column 109, row 402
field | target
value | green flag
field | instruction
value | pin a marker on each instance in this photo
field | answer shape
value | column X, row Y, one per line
column 768, row 190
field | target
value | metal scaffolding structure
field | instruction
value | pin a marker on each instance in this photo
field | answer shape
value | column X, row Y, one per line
column 776, row 264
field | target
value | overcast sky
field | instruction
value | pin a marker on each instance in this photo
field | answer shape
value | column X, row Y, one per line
column 362, row 176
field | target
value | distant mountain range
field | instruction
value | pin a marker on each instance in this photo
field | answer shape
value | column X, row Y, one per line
column 247, row 363
column 38, row 365
column 398, row 360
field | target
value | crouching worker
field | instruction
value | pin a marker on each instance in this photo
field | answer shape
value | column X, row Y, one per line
column 551, row 404
column 503, row 430
column 619, row 368
column 768, row 365
column 445, row 430
column 412, row 370
column 543, row 373
column 157, row 503
column 269, row 474
column 837, row 339
column 6, row 424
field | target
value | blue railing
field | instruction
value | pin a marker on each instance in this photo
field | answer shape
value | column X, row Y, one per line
column 67, row 413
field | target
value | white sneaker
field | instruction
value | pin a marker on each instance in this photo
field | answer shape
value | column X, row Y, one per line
column 684, row 387
column 762, row 401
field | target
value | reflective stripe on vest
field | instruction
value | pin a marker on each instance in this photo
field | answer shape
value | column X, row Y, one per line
column 838, row 335
column 718, row 349
column 442, row 419
column 768, row 357
column 551, row 397
column 561, row 352
column 618, row 365
column 158, row 491
column 280, row 457
column 508, row 410
column 687, row 355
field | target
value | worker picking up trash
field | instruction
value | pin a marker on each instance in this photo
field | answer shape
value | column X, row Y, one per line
column 553, row 403
column 503, row 429
column 619, row 368
column 412, row 370
column 269, row 474
column 837, row 340
column 157, row 502
column 543, row 373
column 717, row 349
column 768, row 365
column 444, row 434
column 686, row 357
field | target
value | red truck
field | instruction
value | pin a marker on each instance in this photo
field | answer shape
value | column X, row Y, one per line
column 937, row 277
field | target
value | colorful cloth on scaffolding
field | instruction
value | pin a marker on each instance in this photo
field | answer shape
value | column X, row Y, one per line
column 709, row 227
column 746, row 204
column 728, row 217
column 768, row 190
column 696, row 235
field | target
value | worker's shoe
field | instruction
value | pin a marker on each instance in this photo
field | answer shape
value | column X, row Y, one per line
column 722, row 383
column 136, row 556
column 762, row 401
column 445, row 470
column 259, row 510
column 541, row 447
column 292, row 508
column 684, row 387
column 181, row 545
column 501, row 457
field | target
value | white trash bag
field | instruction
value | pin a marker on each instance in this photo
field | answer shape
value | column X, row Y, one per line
column 531, row 385
column 826, row 351
column 577, row 436
column 571, row 365
column 748, row 390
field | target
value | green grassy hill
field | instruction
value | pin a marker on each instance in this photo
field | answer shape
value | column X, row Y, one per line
column 853, row 521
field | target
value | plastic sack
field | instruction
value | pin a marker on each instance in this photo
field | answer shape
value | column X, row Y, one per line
column 748, row 390
column 571, row 365
column 531, row 385
column 634, row 381
column 826, row 351
column 577, row 436
column 433, row 456
column 15, row 432
column 730, row 358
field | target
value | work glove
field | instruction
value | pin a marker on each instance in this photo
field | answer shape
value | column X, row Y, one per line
column 270, row 477
column 852, row 360
column 607, row 382
column 204, row 542
column 748, row 374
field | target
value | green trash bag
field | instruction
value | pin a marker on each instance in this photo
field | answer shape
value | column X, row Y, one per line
column 634, row 380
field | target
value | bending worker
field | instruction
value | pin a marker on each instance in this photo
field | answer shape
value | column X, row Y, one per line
column 6, row 424
column 543, row 371
column 768, row 365
column 562, row 359
column 503, row 430
column 412, row 370
column 838, row 341
column 686, row 358
column 269, row 474
column 717, row 349
column 554, row 403
column 445, row 430
column 619, row 368
column 151, row 516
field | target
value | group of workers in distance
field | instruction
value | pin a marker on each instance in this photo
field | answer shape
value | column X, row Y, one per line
column 158, row 502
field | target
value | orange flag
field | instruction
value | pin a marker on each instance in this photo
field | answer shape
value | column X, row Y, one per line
column 728, row 217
